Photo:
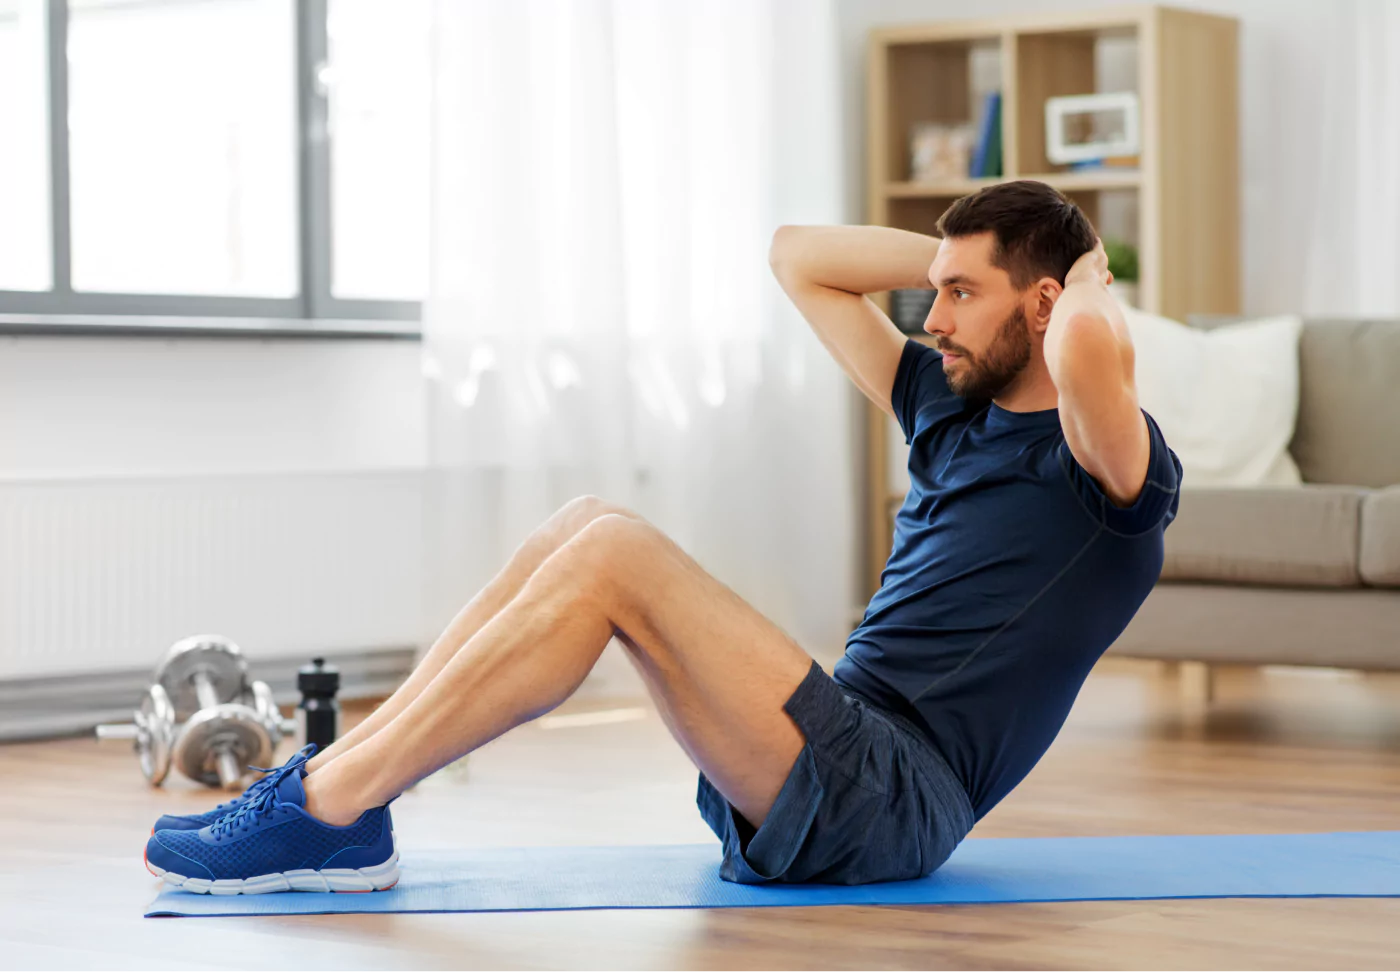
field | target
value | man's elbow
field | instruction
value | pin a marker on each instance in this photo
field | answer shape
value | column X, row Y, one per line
column 1085, row 330
column 778, row 250
column 1084, row 354
column 783, row 250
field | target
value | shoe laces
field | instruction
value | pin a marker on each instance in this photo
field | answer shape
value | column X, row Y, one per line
column 262, row 783
column 257, row 806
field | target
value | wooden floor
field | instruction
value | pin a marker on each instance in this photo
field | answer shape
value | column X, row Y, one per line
column 1276, row 753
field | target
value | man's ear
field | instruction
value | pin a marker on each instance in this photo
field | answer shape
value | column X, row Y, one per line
column 1044, row 293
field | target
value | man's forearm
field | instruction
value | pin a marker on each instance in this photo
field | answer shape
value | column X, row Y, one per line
column 1088, row 297
column 856, row 259
column 1087, row 341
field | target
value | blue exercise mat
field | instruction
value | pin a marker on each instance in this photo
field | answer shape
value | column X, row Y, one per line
column 980, row 871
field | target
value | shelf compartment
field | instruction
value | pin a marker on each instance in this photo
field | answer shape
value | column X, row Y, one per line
column 942, row 82
column 1056, row 64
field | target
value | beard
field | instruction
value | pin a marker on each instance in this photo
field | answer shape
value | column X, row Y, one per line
column 987, row 375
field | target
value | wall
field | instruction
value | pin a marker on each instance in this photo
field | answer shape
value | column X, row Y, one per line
column 1283, row 64
column 155, row 487
column 137, row 406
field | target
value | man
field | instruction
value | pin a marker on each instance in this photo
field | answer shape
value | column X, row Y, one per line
column 1031, row 533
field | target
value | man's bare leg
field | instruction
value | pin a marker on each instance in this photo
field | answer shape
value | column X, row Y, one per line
column 719, row 671
column 547, row 538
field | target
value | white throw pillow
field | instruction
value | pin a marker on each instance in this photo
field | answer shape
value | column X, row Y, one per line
column 1226, row 398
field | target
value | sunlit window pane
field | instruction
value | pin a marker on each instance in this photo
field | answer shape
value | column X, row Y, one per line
column 26, row 247
column 378, row 82
column 182, row 119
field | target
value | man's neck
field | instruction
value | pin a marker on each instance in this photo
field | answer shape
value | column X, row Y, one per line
column 1032, row 391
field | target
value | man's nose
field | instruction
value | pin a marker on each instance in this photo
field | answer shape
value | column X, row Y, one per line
column 939, row 321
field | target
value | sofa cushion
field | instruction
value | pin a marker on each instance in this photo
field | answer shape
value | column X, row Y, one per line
column 1230, row 624
column 1380, row 538
column 1226, row 398
column 1349, row 397
column 1305, row 536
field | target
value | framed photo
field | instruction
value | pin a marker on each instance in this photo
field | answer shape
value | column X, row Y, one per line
column 1083, row 128
column 939, row 151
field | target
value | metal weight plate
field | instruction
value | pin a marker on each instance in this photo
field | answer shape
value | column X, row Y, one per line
column 155, row 734
column 231, row 727
column 266, row 708
column 214, row 656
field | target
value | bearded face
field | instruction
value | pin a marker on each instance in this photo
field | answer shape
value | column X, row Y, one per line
column 986, row 374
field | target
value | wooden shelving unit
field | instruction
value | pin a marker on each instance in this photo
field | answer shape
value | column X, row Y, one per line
column 1180, row 205
column 1066, row 182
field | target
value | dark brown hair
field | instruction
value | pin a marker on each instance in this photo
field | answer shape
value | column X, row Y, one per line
column 1039, row 232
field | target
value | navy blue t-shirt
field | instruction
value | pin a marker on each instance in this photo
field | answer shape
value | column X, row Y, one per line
column 1011, row 573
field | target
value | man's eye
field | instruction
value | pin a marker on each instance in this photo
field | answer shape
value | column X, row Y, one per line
column 961, row 293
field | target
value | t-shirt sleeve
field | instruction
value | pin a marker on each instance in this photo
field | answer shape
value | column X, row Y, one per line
column 918, row 381
column 1155, row 504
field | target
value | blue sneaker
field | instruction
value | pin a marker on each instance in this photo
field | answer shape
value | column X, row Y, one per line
column 272, row 844
column 193, row 821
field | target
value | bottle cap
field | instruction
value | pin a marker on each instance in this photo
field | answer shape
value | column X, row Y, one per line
column 318, row 678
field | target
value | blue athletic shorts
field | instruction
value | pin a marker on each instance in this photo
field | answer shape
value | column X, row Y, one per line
column 869, row 799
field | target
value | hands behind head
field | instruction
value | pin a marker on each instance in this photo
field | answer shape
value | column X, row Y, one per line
column 1092, row 266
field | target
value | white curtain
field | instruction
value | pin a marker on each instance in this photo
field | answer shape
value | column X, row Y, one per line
column 1353, row 244
column 607, row 176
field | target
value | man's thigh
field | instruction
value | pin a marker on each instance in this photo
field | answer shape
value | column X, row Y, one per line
column 718, row 670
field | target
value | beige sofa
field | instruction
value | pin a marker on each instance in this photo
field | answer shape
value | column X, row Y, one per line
column 1306, row 575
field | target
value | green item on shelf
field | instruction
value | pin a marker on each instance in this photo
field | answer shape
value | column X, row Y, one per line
column 994, row 146
column 986, row 152
column 1122, row 259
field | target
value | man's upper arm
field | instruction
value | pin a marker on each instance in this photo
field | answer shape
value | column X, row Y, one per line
column 862, row 339
column 1103, row 425
column 1156, row 502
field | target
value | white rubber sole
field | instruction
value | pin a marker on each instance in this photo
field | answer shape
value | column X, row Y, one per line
column 379, row 877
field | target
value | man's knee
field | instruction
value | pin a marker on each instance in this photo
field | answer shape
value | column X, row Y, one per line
column 612, row 551
column 580, row 511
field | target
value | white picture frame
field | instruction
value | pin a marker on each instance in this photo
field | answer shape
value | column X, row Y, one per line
column 1082, row 128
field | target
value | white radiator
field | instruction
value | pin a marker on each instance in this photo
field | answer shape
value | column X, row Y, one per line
column 103, row 575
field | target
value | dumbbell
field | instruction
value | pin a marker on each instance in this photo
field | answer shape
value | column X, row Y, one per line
column 203, row 678
column 151, row 731
column 202, row 672
column 206, row 676
column 259, row 696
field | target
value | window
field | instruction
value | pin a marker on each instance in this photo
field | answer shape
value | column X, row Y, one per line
column 182, row 146
column 208, row 158
column 377, row 87
column 26, row 243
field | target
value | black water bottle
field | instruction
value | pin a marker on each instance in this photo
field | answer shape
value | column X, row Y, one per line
column 318, row 715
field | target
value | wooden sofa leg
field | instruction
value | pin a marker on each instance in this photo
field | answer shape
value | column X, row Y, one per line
column 1196, row 681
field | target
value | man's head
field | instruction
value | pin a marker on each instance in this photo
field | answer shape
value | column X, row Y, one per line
column 999, row 270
